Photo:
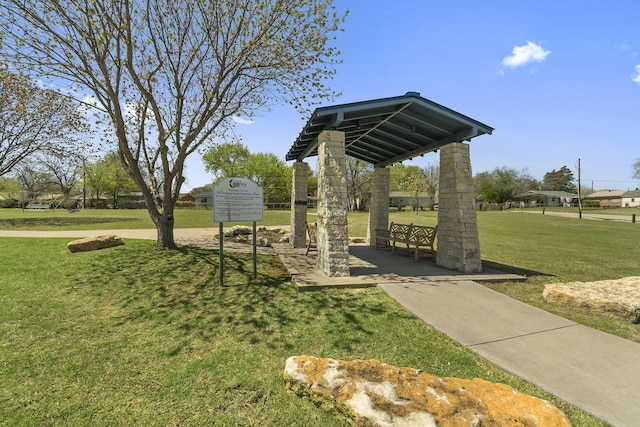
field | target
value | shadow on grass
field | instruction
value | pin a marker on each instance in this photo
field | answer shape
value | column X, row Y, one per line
column 181, row 289
column 58, row 221
column 513, row 270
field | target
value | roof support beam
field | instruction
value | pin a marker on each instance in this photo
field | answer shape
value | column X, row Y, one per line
column 380, row 123
column 459, row 137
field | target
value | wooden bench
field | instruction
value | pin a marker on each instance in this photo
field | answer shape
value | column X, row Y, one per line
column 418, row 236
column 35, row 206
column 312, row 231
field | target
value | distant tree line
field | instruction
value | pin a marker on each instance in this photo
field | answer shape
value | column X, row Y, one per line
column 504, row 183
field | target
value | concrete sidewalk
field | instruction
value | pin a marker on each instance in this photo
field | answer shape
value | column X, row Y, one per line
column 592, row 370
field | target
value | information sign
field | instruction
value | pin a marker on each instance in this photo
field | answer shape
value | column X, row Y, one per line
column 237, row 200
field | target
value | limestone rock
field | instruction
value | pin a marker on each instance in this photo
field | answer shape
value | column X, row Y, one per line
column 619, row 298
column 243, row 234
column 94, row 243
column 286, row 238
column 371, row 393
column 238, row 230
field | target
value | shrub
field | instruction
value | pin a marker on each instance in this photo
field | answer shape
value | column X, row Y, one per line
column 8, row 203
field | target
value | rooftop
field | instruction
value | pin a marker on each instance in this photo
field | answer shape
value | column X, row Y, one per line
column 388, row 130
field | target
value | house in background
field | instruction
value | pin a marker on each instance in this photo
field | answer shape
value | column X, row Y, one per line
column 631, row 198
column 186, row 198
column 533, row 198
column 607, row 198
column 204, row 199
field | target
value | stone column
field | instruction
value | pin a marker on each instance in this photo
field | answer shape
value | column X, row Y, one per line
column 333, row 237
column 299, row 200
column 458, row 241
column 379, row 208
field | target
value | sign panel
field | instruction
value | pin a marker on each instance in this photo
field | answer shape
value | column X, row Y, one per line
column 237, row 200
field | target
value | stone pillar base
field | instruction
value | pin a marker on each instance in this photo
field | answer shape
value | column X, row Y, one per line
column 333, row 236
column 379, row 209
column 299, row 200
column 458, row 241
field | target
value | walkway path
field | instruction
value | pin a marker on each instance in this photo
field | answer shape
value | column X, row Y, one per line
column 601, row 216
column 595, row 371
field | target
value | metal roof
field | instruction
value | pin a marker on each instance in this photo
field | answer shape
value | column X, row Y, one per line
column 389, row 130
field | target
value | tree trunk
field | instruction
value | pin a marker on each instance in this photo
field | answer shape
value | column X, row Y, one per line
column 164, row 225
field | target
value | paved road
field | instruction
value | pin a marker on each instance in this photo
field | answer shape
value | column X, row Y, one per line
column 608, row 217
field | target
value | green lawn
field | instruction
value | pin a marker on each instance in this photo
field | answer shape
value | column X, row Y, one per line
column 113, row 219
column 136, row 336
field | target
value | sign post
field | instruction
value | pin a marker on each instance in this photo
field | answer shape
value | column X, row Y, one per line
column 237, row 200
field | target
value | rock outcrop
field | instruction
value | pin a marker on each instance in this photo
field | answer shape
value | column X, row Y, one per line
column 94, row 243
column 264, row 236
column 371, row 393
column 619, row 298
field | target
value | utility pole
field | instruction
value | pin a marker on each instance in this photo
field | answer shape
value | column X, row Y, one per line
column 579, row 195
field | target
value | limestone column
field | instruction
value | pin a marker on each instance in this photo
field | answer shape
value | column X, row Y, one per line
column 333, row 236
column 379, row 207
column 299, row 200
column 458, row 242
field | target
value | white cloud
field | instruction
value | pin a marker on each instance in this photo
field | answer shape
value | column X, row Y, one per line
column 636, row 76
column 242, row 120
column 523, row 55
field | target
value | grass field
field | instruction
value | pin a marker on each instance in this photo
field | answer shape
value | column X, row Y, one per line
column 136, row 336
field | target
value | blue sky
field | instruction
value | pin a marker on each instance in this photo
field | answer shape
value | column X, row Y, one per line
column 558, row 80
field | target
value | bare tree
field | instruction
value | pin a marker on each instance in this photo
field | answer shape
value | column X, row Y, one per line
column 64, row 168
column 432, row 181
column 33, row 181
column 171, row 74
column 33, row 119
column 359, row 176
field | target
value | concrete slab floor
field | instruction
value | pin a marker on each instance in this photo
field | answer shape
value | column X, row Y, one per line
column 370, row 267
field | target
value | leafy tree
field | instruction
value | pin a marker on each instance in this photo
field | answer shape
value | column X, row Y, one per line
column 559, row 180
column 227, row 160
column 197, row 190
column 359, row 176
column 414, row 181
column 10, row 186
column 95, row 177
column 502, row 184
column 171, row 74
column 108, row 177
column 265, row 169
column 33, row 119
column 272, row 174
column 636, row 169
column 313, row 182
column 395, row 176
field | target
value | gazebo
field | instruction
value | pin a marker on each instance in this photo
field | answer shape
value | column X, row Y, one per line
column 383, row 132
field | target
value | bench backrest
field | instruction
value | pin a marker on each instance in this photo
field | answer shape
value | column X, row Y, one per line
column 400, row 231
column 312, row 229
column 423, row 234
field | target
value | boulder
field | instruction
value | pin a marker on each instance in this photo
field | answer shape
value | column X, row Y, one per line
column 618, row 298
column 371, row 393
column 238, row 230
column 286, row 238
column 94, row 243
column 243, row 234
